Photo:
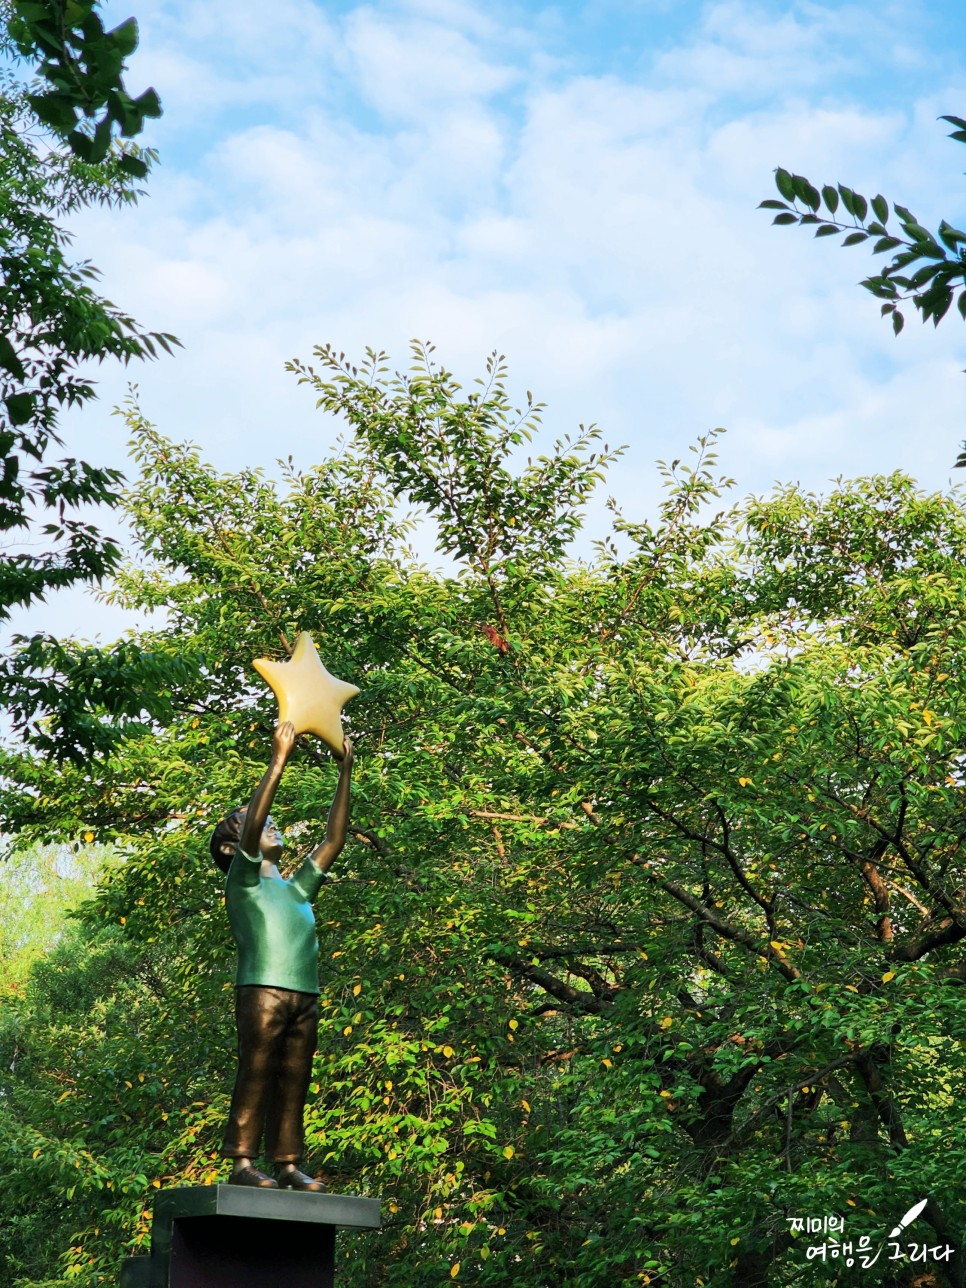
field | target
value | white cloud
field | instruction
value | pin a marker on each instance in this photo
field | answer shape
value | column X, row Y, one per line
column 409, row 69
column 600, row 230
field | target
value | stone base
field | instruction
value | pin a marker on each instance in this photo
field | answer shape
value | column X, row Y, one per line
column 216, row 1236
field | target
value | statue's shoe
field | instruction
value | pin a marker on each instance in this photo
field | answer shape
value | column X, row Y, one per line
column 252, row 1176
column 299, row 1181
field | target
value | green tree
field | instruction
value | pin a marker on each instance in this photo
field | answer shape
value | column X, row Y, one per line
column 649, row 936
column 41, row 886
column 926, row 268
column 65, row 141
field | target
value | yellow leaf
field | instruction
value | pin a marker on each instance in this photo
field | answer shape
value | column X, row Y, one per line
column 666, row 1095
column 890, row 974
column 608, row 1064
column 357, row 990
column 88, row 837
column 745, row 782
column 447, row 1051
column 666, row 1022
column 36, row 1153
column 508, row 1151
column 514, row 1024
column 347, row 1030
column 735, row 1241
column 455, row 1271
column 501, row 1231
column 526, row 1105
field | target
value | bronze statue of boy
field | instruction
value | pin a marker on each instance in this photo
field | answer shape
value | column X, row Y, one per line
column 277, row 978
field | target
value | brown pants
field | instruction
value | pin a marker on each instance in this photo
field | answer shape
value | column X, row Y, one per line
column 277, row 1033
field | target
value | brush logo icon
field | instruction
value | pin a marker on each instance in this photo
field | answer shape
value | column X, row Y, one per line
column 908, row 1219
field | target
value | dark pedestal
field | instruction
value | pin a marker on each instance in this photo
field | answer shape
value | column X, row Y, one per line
column 226, row 1236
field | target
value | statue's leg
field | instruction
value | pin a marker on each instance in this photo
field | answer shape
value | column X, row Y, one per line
column 261, row 1016
column 283, row 1126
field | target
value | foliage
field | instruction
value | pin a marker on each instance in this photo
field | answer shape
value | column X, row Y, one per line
column 81, row 67
column 926, row 268
column 41, row 886
column 649, row 935
column 52, row 320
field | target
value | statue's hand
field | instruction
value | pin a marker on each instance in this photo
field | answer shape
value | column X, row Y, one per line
column 348, row 753
column 283, row 740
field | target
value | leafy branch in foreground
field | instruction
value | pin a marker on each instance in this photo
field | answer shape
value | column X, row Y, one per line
column 53, row 322
column 926, row 268
column 81, row 96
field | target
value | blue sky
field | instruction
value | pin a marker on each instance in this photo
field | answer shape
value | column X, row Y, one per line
column 574, row 185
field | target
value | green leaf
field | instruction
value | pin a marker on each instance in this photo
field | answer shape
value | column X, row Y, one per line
column 785, row 219
column 133, row 166
column 806, row 192
column 960, row 132
column 784, row 184
column 10, row 360
column 881, row 208
column 826, row 230
column 148, row 103
column 853, row 239
column 125, row 37
column 952, row 237
column 925, row 275
column 20, row 407
column 831, row 198
column 54, row 109
column 81, row 145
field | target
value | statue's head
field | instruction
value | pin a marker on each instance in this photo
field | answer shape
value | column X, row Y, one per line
column 225, row 837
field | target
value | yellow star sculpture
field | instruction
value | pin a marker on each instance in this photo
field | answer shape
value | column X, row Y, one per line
column 307, row 694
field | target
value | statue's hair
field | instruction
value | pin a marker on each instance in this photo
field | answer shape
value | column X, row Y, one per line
column 225, row 837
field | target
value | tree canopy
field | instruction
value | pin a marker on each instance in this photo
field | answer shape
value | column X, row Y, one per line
column 649, row 936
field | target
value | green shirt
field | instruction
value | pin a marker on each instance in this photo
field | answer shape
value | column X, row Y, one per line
column 273, row 924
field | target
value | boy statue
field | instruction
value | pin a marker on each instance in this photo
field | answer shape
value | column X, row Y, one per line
column 277, row 979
